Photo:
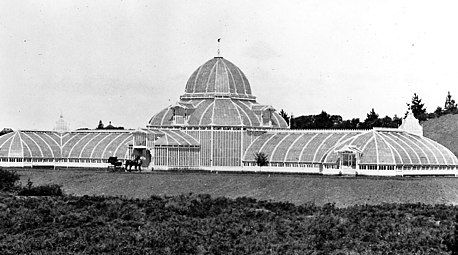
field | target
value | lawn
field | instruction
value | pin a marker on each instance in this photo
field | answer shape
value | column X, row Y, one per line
column 297, row 189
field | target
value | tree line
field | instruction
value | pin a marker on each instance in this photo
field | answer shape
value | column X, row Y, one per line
column 325, row 120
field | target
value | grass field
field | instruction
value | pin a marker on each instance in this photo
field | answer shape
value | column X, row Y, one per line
column 298, row 189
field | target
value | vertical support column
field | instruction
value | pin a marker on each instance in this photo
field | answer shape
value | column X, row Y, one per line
column 241, row 147
column 153, row 156
column 200, row 149
column 167, row 155
column 211, row 146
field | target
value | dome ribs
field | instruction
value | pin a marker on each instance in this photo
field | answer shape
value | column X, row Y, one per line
column 221, row 80
column 410, row 145
column 442, row 156
column 269, row 144
column 225, row 113
column 6, row 140
column 109, row 146
column 47, row 149
column 344, row 138
column 51, row 143
column 243, row 119
column 55, row 137
column 157, row 119
column 91, row 141
column 218, row 77
column 206, row 115
column 423, row 148
column 15, row 149
column 73, row 136
column 210, row 86
column 28, row 149
column 240, row 86
column 299, row 136
column 123, row 146
column 254, row 121
column 96, row 150
column 369, row 155
column 78, row 145
column 276, row 155
column 318, row 149
column 294, row 152
column 28, row 138
column 327, row 143
column 385, row 145
column 241, row 90
column 405, row 156
column 451, row 156
column 256, row 146
column 202, row 78
column 195, row 79
column 302, row 155
column 167, row 117
column 196, row 116
column 231, row 81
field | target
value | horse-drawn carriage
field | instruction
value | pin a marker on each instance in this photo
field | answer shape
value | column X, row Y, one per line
column 136, row 163
column 116, row 165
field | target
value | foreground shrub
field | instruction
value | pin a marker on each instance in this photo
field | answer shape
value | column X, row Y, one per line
column 8, row 180
column 43, row 190
column 200, row 224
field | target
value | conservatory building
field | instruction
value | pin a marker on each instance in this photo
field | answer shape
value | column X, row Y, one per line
column 218, row 125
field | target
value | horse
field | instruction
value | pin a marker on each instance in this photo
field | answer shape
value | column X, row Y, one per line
column 137, row 163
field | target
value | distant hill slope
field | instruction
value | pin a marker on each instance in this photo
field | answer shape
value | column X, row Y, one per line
column 443, row 130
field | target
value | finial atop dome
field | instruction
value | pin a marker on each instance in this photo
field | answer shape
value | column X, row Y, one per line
column 219, row 47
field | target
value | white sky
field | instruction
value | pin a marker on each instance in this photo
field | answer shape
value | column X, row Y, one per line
column 123, row 60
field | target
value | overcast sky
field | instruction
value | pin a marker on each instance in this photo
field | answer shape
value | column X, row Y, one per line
column 122, row 61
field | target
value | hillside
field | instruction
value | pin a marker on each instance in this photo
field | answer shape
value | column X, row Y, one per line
column 297, row 189
column 443, row 130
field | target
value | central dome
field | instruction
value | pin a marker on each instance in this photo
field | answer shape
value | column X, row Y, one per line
column 218, row 94
column 218, row 77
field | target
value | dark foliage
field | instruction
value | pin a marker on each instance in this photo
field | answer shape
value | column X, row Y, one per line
column 199, row 224
column 419, row 111
column 8, row 180
column 417, row 108
column 438, row 112
column 450, row 105
column 327, row 121
column 261, row 159
column 285, row 116
column 43, row 190
column 108, row 127
column 5, row 131
column 322, row 121
column 100, row 126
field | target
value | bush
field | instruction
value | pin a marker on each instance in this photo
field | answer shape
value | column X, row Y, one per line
column 261, row 159
column 8, row 180
column 44, row 190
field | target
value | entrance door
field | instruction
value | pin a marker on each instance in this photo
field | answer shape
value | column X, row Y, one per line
column 348, row 160
column 142, row 153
